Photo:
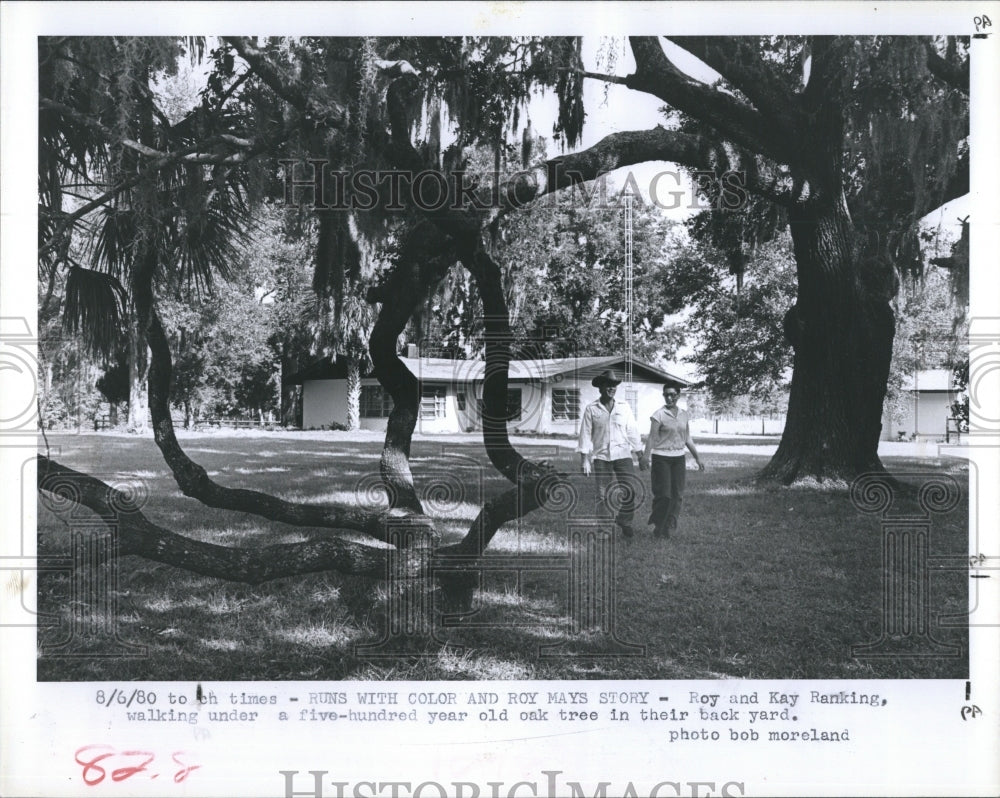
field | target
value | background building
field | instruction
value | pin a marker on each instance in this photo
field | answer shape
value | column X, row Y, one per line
column 926, row 409
column 546, row 395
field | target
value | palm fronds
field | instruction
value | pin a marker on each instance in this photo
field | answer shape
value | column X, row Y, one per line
column 95, row 309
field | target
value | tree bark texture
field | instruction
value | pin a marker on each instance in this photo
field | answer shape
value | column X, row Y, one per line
column 138, row 410
column 137, row 535
column 401, row 295
column 841, row 329
column 353, row 393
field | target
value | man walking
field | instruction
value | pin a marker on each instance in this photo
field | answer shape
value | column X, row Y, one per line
column 609, row 436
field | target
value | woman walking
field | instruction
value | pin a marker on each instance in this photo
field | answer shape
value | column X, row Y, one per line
column 669, row 434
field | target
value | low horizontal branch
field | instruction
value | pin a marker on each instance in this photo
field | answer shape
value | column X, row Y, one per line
column 137, row 535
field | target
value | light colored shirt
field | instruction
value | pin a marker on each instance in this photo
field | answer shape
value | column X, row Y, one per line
column 609, row 436
column 672, row 434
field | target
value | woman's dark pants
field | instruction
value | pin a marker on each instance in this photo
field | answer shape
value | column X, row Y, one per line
column 667, row 476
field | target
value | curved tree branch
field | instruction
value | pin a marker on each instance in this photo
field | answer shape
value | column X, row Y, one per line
column 533, row 482
column 137, row 535
column 330, row 114
column 194, row 481
column 741, row 66
column 634, row 147
column 731, row 117
column 403, row 292
column 498, row 338
column 278, row 81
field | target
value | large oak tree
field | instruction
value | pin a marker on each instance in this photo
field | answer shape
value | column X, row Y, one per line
column 825, row 129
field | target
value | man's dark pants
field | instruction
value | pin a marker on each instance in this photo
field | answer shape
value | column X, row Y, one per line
column 667, row 476
column 617, row 487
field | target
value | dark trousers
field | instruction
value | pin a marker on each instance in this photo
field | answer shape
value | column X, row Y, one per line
column 667, row 476
column 616, row 490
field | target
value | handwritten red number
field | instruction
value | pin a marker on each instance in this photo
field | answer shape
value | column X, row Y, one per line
column 91, row 764
column 120, row 774
column 93, row 773
column 185, row 770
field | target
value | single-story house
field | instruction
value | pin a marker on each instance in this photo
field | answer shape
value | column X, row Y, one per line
column 546, row 395
column 927, row 408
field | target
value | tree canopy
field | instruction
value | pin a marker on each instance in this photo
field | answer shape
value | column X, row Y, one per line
column 846, row 142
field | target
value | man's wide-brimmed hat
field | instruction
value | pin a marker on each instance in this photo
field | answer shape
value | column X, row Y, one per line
column 606, row 377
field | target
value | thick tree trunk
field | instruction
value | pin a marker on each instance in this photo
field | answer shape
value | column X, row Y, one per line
column 423, row 264
column 533, row 482
column 138, row 409
column 402, row 386
column 841, row 329
column 353, row 393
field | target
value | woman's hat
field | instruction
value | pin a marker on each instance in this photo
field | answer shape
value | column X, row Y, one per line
column 606, row 377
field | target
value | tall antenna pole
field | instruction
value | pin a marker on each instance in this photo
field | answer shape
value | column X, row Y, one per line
column 628, row 288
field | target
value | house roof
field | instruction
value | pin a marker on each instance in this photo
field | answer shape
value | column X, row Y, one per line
column 439, row 369
column 929, row 380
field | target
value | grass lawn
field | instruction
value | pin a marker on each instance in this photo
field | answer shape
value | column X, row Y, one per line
column 759, row 582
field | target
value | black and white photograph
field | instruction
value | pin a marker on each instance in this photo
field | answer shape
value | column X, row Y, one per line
column 461, row 377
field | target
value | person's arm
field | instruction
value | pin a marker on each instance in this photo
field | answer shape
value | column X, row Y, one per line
column 634, row 438
column 654, row 428
column 586, row 443
column 690, row 444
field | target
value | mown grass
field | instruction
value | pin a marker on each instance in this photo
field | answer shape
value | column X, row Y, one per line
column 759, row 582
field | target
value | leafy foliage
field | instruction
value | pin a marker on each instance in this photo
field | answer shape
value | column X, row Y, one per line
column 740, row 348
column 94, row 308
column 904, row 149
column 960, row 407
column 232, row 346
column 931, row 330
column 563, row 267
column 907, row 141
column 113, row 383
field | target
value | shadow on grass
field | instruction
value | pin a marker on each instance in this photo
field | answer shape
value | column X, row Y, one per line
column 758, row 582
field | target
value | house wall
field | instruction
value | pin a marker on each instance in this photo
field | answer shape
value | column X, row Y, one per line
column 377, row 424
column 649, row 397
column 324, row 402
column 535, row 408
column 448, row 423
column 925, row 414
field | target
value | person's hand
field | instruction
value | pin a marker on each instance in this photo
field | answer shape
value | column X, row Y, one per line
column 585, row 465
column 643, row 463
column 701, row 466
